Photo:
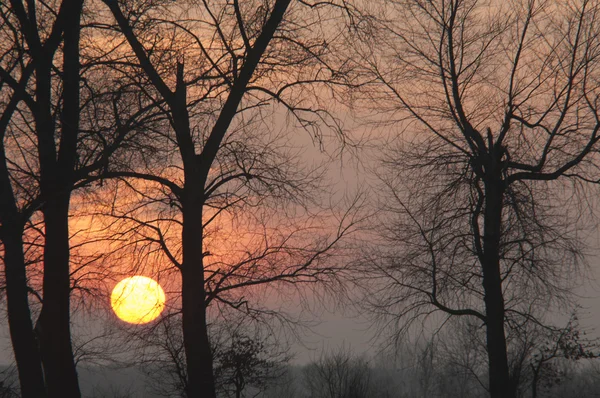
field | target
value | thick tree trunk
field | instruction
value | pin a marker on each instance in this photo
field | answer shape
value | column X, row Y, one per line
column 54, row 325
column 198, row 353
column 499, row 378
column 23, row 339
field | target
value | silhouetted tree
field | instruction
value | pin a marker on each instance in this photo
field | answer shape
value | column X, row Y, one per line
column 548, row 345
column 211, row 61
column 497, row 103
column 7, row 383
column 246, row 362
column 36, row 35
column 59, row 126
column 338, row 375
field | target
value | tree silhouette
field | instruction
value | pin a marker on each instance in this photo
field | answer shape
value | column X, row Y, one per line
column 40, row 182
column 338, row 375
column 498, row 108
column 568, row 342
column 60, row 125
column 246, row 362
column 214, row 65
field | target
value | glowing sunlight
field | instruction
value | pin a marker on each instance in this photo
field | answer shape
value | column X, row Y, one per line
column 137, row 300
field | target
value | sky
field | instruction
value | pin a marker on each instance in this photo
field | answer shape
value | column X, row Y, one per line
column 348, row 328
column 334, row 327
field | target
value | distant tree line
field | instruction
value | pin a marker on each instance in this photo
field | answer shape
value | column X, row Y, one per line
column 451, row 364
column 448, row 365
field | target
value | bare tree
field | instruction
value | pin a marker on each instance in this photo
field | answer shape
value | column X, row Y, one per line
column 163, row 357
column 209, row 66
column 463, row 356
column 285, row 386
column 8, row 389
column 248, row 363
column 40, row 31
column 498, row 107
column 338, row 375
column 248, row 357
column 542, row 349
column 57, row 132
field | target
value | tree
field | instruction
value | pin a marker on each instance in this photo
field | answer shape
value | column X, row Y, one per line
column 163, row 357
column 55, row 138
column 463, row 355
column 247, row 362
column 212, row 61
column 498, row 108
column 338, row 375
column 36, row 37
column 248, row 358
column 7, row 387
column 285, row 386
column 549, row 344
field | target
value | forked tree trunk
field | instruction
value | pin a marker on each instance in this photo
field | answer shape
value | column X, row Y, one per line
column 499, row 379
column 57, row 179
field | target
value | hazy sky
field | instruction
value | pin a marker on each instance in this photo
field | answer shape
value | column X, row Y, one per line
column 346, row 328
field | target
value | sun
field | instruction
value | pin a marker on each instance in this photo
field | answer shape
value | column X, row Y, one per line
column 137, row 299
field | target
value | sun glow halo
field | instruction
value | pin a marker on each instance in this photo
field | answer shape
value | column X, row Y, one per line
column 137, row 299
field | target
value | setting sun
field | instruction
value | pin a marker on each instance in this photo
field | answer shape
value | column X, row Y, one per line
column 137, row 299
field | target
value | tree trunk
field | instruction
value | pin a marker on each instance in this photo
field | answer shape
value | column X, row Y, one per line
column 54, row 323
column 534, row 382
column 56, row 183
column 23, row 339
column 198, row 353
column 499, row 378
column 22, row 336
column 238, row 389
